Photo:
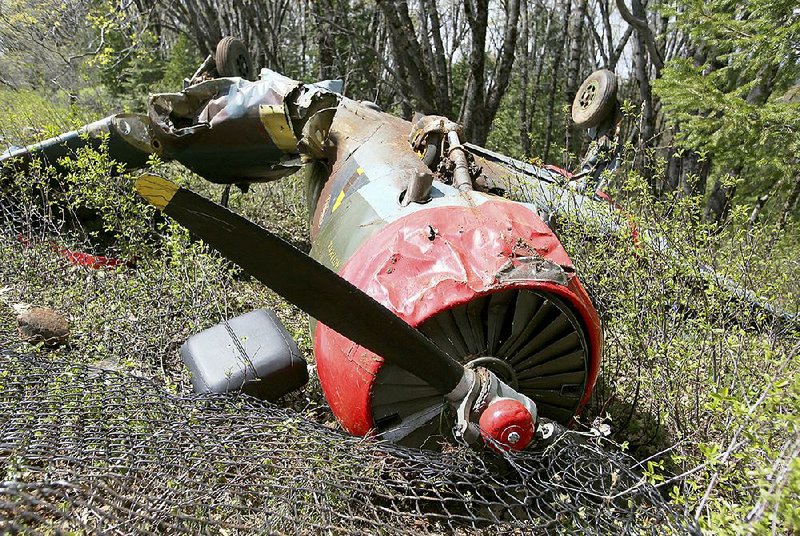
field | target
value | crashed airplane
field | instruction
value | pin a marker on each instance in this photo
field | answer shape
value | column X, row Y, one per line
column 445, row 305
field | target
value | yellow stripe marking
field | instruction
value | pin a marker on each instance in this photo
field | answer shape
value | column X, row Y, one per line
column 274, row 119
column 338, row 201
column 158, row 191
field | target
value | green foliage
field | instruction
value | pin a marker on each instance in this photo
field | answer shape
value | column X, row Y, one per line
column 695, row 379
column 93, row 201
column 133, row 317
column 731, row 104
column 31, row 116
column 182, row 62
column 39, row 41
column 96, row 189
column 692, row 377
column 504, row 136
column 725, row 124
column 126, row 59
column 134, row 60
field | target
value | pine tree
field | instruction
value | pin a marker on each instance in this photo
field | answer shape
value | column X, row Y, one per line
column 732, row 99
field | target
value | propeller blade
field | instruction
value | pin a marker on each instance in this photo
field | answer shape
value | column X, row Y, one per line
column 303, row 281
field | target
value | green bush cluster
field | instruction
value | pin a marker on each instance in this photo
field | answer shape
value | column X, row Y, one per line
column 169, row 285
column 697, row 380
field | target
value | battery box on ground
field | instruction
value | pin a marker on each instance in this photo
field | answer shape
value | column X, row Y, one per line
column 252, row 353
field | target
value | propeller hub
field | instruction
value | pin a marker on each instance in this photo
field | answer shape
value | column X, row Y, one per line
column 506, row 424
column 501, row 368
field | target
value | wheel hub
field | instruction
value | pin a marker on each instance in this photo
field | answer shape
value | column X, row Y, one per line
column 588, row 95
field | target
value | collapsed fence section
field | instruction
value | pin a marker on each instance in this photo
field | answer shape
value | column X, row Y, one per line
column 94, row 450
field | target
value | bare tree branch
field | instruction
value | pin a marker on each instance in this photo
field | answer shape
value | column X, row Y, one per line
column 643, row 28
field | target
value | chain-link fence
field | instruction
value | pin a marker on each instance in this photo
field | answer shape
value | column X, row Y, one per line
column 86, row 449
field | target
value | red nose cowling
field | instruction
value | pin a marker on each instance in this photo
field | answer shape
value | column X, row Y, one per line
column 433, row 260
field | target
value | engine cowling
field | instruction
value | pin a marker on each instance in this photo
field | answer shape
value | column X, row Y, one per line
column 488, row 283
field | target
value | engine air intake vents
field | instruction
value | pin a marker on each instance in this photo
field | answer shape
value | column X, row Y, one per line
column 531, row 340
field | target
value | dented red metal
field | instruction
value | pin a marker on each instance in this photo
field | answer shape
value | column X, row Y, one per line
column 417, row 273
column 81, row 258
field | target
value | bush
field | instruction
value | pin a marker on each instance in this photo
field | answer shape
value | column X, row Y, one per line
column 698, row 381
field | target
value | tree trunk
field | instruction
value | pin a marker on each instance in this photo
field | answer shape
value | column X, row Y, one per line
column 325, row 36
column 762, row 200
column 721, row 198
column 524, row 132
column 472, row 116
column 439, row 61
column 539, row 68
column 685, row 170
column 502, row 74
column 790, row 203
column 575, row 48
column 481, row 103
column 554, row 78
column 719, row 202
column 409, row 56
column 642, row 73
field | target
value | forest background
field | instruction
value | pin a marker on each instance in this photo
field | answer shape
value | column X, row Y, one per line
column 711, row 93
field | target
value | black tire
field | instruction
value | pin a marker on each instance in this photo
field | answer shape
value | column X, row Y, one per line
column 233, row 59
column 595, row 99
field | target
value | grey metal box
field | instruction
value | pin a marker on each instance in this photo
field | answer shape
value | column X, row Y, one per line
column 253, row 353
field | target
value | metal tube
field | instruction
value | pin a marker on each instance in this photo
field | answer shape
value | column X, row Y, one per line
column 461, row 177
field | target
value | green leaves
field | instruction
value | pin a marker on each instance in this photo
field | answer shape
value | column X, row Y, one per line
column 726, row 100
column 686, row 363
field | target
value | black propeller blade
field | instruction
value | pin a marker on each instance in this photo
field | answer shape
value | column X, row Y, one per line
column 315, row 289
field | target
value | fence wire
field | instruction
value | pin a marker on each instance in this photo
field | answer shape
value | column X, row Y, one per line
column 91, row 450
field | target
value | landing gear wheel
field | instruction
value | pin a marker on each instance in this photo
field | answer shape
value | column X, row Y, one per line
column 595, row 99
column 233, row 59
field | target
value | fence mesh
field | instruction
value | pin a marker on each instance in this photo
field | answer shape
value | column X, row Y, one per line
column 91, row 450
